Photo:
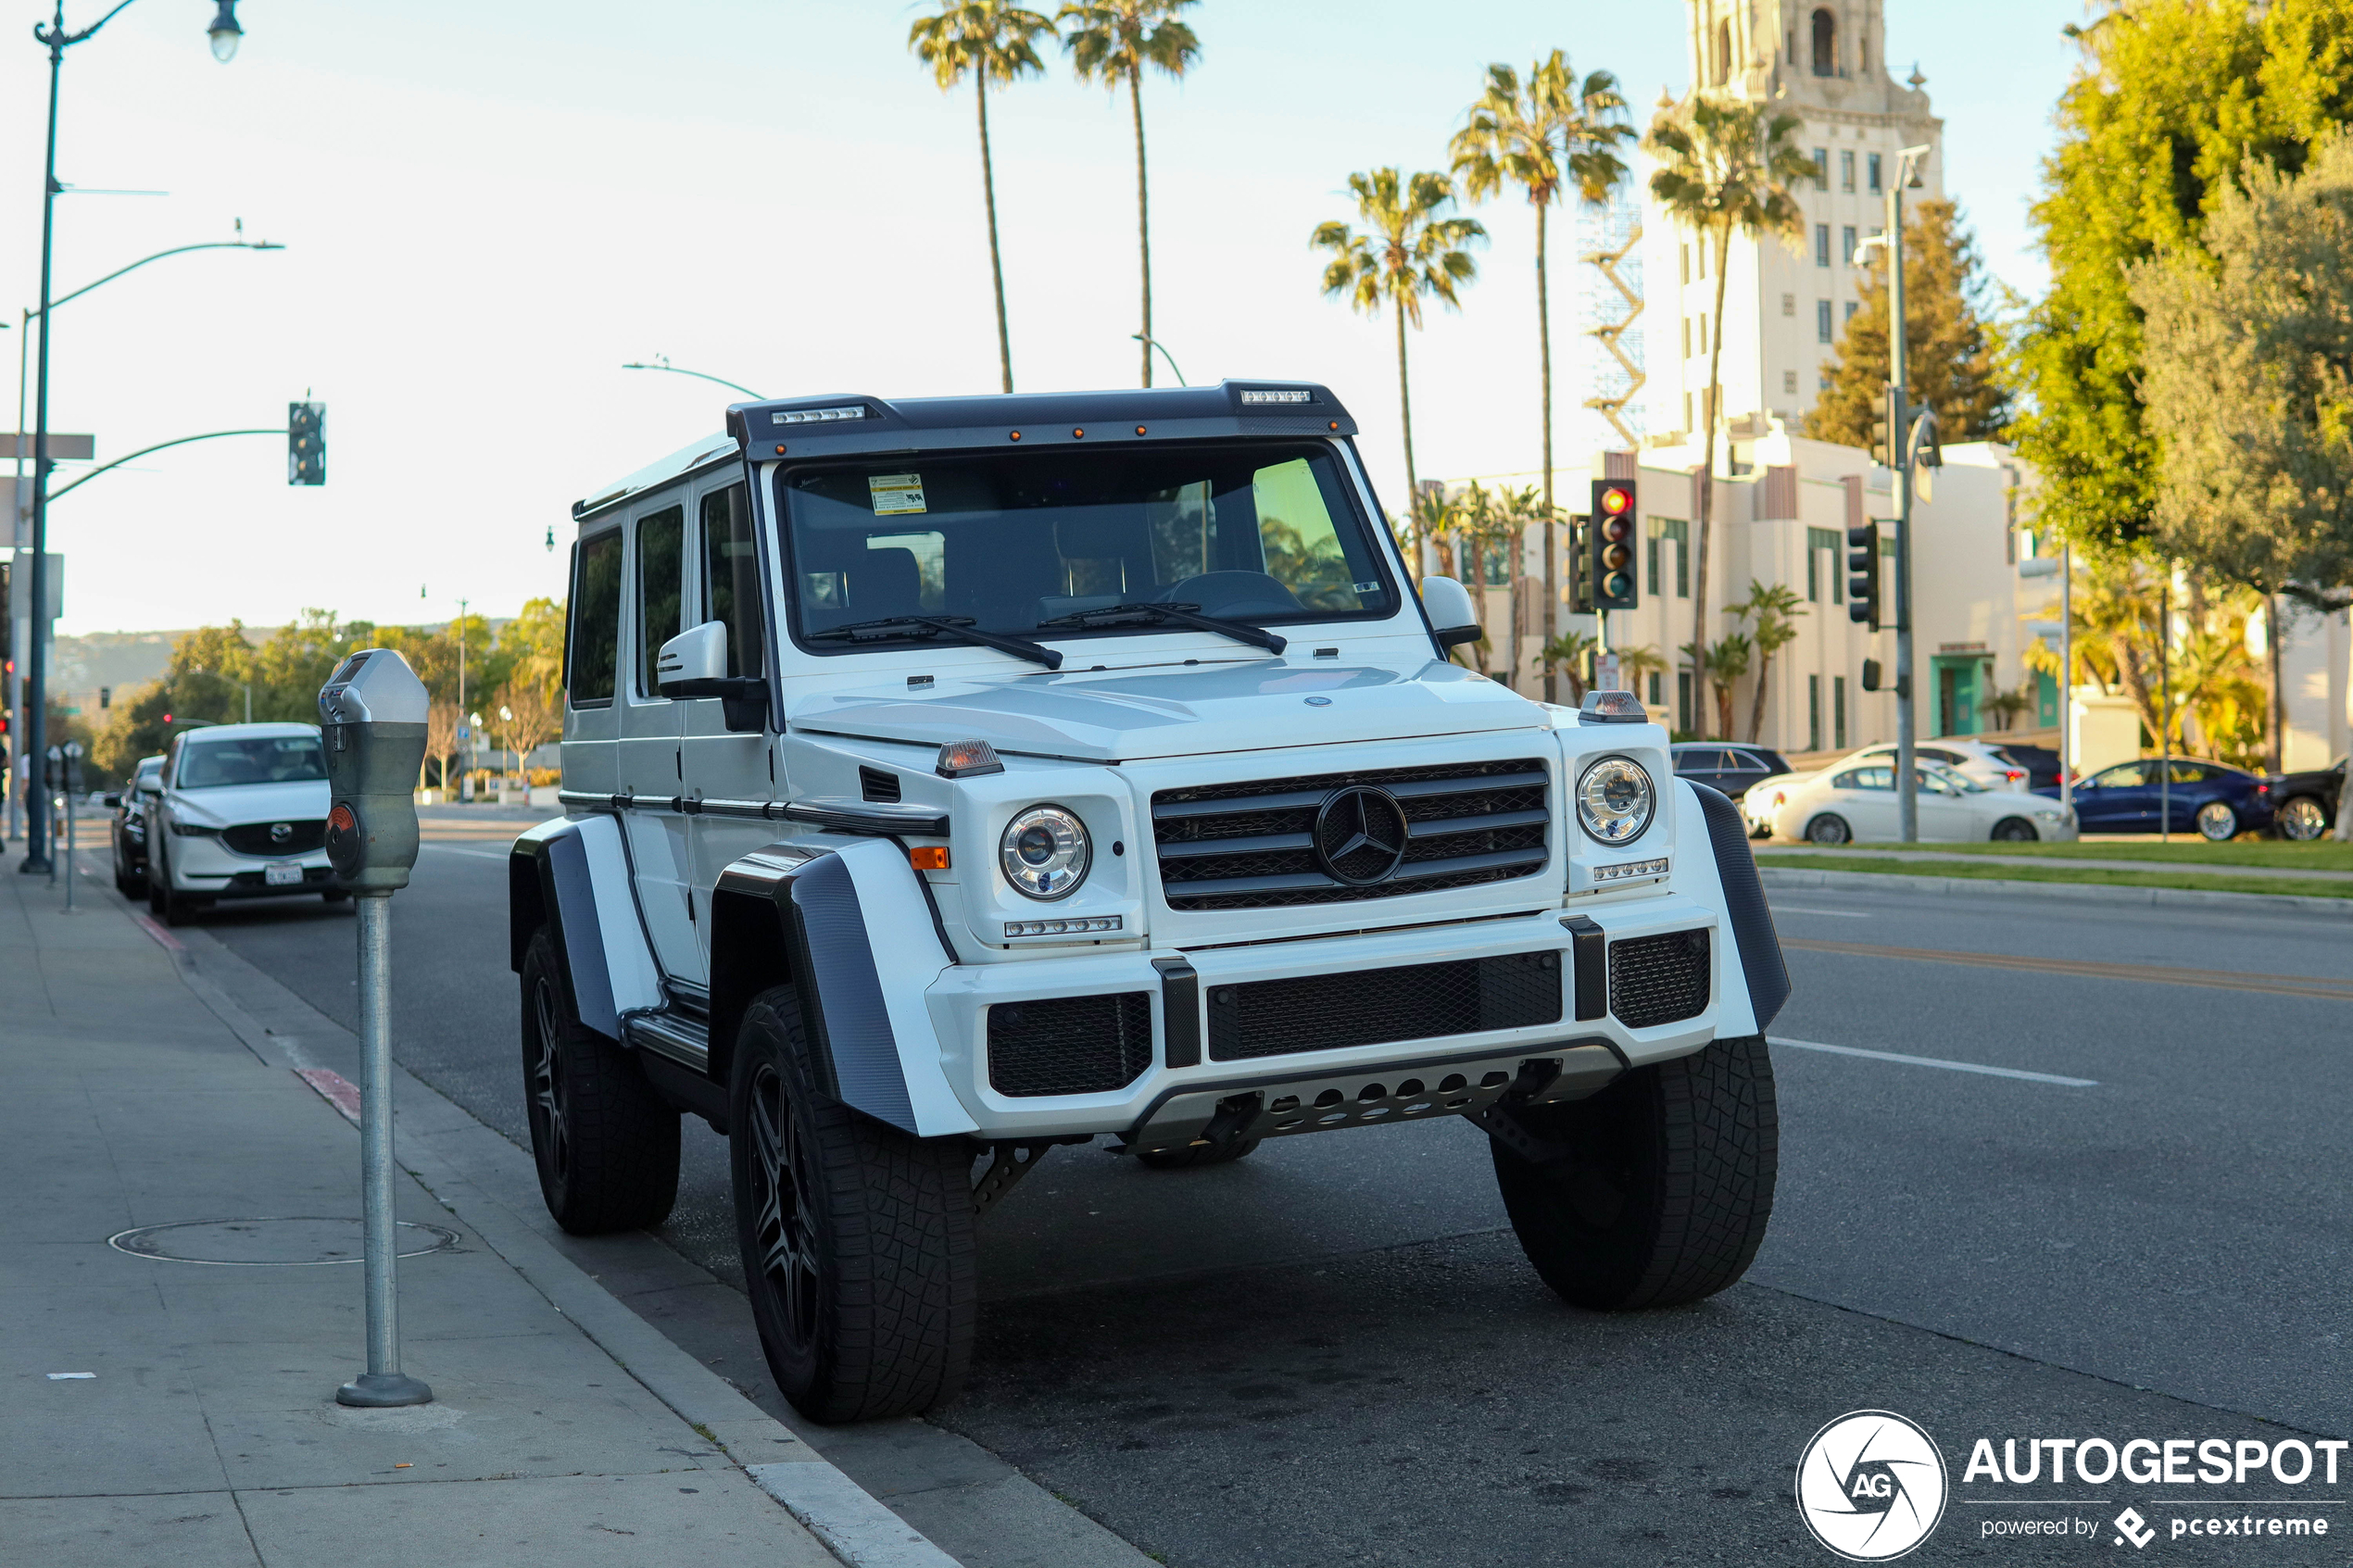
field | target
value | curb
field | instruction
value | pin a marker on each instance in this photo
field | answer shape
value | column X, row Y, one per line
column 2087, row 892
column 851, row 1523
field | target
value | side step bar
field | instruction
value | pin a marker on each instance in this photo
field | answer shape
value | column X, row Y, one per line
column 683, row 1040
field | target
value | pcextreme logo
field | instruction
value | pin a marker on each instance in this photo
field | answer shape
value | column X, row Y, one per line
column 1871, row 1486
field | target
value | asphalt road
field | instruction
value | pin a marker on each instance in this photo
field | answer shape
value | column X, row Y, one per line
column 1332, row 1352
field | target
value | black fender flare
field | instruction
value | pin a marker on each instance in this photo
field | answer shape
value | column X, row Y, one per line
column 1744, row 905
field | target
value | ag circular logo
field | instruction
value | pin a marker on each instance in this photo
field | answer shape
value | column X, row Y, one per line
column 1871, row 1486
column 1360, row 835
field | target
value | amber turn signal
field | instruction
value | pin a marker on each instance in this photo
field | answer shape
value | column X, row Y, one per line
column 928, row 857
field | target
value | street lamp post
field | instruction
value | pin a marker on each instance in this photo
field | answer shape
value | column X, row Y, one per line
column 1150, row 342
column 662, row 362
column 1899, row 437
column 224, row 33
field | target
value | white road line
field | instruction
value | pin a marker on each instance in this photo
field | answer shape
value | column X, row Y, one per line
column 477, row 854
column 1939, row 1061
column 1840, row 914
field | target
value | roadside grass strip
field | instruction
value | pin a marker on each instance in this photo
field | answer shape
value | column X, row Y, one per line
column 2270, row 854
column 2010, row 870
column 1938, row 1061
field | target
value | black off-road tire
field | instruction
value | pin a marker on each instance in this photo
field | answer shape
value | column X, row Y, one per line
column 1195, row 1156
column 605, row 1142
column 1668, row 1185
column 857, row 1238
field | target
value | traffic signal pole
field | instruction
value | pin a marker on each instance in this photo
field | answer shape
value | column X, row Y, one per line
column 1907, row 797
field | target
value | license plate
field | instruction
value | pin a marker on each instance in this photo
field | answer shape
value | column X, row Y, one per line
column 281, row 877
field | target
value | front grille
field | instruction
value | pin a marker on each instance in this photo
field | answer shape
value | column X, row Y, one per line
column 1070, row 1045
column 1655, row 980
column 1328, row 1012
column 254, row 838
column 1253, row 846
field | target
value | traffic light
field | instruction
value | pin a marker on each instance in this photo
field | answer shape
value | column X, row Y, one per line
column 1611, row 546
column 1580, row 586
column 105, row 698
column 1870, row 675
column 305, row 444
column 1862, row 586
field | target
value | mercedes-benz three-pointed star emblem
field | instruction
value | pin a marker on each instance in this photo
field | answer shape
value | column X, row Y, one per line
column 1360, row 835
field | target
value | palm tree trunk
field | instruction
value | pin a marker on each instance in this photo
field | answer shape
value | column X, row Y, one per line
column 1757, row 701
column 1549, row 627
column 1519, row 582
column 1405, row 403
column 1143, row 218
column 996, row 261
column 1707, row 481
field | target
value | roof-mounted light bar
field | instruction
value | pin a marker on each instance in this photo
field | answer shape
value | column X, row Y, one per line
column 1277, row 394
column 817, row 416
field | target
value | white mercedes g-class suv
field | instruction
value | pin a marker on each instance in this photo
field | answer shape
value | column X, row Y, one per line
column 948, row 779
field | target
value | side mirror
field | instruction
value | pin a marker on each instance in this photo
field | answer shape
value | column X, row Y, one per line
column 694, row 664
column 699, row 653
column 114, row 802
column 1451, row 618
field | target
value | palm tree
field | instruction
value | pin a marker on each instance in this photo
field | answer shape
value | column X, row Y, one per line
column 1775, row 609
column 990, row 40
column 1636, row 662
column 1111, row 42
column 1410, row 252
column 1554, row 131
column 1568, row 653
column 1724, row 168
column 1729, row 658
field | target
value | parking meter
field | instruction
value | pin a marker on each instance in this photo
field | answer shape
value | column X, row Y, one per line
column 373, row 714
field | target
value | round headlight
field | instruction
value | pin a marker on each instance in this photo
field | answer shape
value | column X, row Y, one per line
column 1615, row 800
column 1045, row 852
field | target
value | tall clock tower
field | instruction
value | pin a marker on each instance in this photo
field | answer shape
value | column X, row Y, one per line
column 1786, row 303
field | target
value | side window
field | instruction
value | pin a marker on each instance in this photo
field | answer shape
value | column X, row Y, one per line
column 1875, row 778
column 594, row 640
column 661, row 538
column 731, row 578
column 1851, row 779
column 2124, row 775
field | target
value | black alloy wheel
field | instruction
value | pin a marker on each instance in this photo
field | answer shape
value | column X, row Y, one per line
column 783, row 1225
column 605, row 1141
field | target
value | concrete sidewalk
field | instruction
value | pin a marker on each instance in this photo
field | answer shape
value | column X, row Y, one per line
column 205, row 1432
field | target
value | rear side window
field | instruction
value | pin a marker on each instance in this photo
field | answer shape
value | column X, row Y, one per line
column 596, row 622
column 661, row 564
column 1698, row 761
column 730, row 577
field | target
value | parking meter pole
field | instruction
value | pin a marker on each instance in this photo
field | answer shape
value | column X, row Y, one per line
column 372, row 715
column 384, row 1382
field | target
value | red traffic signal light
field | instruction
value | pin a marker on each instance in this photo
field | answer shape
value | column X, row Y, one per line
column 1610, row 573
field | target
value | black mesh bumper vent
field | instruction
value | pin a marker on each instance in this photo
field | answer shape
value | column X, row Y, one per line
column 257, row 838
column 1253, row 846
column 1327, row 1012
column 1070, row 1045
column 1655, row 980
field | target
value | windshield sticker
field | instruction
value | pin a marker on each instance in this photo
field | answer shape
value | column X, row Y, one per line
column 895, row 493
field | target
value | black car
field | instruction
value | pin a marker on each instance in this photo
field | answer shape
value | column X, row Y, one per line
column 2305, row 804
column 1733, row 769
column 131, row 827
column 2042, row 764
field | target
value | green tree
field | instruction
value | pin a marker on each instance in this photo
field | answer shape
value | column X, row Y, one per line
column 2248, row 381
column 1772, row 610
column 2168, row 100
column 1729, row 659
column 1568, row 653
column 1540, row 137
column 988, row 40
column 1411, row 251
column 1948, row 355
column 1724, row 168
column 1111, row 42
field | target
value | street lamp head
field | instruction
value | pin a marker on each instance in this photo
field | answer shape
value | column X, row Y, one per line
column 225, row 32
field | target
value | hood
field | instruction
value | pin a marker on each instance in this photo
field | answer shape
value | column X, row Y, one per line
column 226, row 805
column 1178, row 712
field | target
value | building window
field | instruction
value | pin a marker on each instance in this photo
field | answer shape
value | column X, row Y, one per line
column 1686, row 254
column 1656, row 678
column 1687, row 337
column 1723, row 52
column 1822, row 168
column 1687, row 411
column 1823, row 326
column 1838, row 712
column 1789, row 380
column 1821, row 245
column 1852, row 307
column 1683, row 701
column 1703, row 261
column 1846, row 241
column 1818, row 540
column 1703, row 335
column 1825, row 43
column 1873, row 168
column 1789, row 305
column 1675, row 531
column 1813, row 713
column 1822, row 382
column 1846, row 169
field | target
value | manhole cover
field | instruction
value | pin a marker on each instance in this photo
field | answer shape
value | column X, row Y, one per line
column 294, row 1242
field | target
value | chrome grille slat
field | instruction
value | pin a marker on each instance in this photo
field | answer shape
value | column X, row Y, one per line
column 1251, row 843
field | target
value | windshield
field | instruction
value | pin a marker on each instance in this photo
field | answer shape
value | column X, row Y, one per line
column 257, row 760
column 1252, row 534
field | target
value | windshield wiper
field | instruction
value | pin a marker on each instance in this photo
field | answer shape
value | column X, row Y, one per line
column 960, row 627
column 1183, row 615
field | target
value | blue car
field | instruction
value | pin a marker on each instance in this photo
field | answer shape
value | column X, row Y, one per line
column 2216, row 800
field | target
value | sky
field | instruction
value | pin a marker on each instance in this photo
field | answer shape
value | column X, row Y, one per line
column 489, row 209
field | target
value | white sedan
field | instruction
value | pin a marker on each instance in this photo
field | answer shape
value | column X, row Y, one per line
column 1857, row 804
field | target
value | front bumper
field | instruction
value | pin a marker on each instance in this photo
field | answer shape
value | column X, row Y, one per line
column 1178, row 1091
column 204, row 866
